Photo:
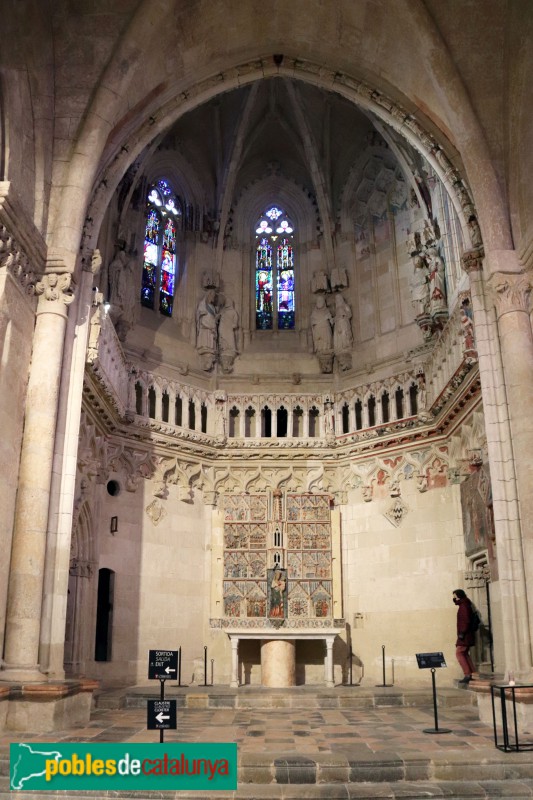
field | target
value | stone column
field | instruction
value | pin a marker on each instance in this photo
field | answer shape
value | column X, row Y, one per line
column 234, row 683
column 365, row 416
column 63, row 481
column 329, row 662
column 31, row 514
column 158, row 402
column 278, row 663
column 505, row 351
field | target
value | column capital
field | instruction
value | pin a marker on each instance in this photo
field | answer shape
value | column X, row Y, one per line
column 510, row 292
column 55, row 288
column 473, row 260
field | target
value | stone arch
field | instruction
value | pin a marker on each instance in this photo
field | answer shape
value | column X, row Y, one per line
column 81, row 597
column 351, row 89
column 171, row 98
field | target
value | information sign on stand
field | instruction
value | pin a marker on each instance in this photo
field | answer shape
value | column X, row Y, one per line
column 433, row 661
column 162, row 715
column 430, row 660
column 162, row 665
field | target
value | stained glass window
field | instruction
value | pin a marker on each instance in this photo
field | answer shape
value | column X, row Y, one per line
column 274, row 281
column 159, row 264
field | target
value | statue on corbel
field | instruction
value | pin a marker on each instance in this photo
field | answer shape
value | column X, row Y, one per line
column 123, row 292
column 331, row 334
column 217, row 324
column 428, row 280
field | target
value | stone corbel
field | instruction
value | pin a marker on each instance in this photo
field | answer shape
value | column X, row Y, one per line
column 368, row 491
column 472, row 260
column 422, row 482
column 340, row 498
column 210, row 498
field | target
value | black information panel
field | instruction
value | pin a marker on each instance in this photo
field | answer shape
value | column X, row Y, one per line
column 161, row 715
column 430, row 660
column 162, row 664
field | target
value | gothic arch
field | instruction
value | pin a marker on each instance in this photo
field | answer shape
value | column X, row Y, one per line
column 79, row 628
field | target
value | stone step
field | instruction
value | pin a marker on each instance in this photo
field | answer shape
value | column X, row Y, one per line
column 402, row 790
column 256, row 698
column 456, row 773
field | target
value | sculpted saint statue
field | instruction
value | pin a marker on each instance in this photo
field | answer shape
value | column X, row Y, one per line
column 321, row 326
column 227, row 328
column 342, row 333
column 419, row 286
column 123, row 293
column 206, row 329
column 437, row 282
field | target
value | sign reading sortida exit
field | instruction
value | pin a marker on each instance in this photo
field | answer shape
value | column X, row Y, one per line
column 40, row 766
column 162, row 665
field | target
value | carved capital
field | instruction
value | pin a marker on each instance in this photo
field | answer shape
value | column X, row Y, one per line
column 55, row 287
column 510, row 292
column 473, row 260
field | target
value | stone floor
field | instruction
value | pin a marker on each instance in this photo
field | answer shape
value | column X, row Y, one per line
column 311, row 752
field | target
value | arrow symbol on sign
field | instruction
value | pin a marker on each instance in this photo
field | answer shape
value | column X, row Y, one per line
column 160, row 717
column 167, row 670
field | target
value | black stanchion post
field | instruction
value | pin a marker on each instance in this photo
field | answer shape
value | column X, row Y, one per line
column 384, row 684
column 205, row 665
column 162, row 697
column 351, row 666
column 436, row 729
column 179, row 665
column 212, row 671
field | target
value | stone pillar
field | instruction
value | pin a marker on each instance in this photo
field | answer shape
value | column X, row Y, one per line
column 234, row 683
column 158, row 402
column 365, row 415
column 25, row 590
column 63, row 481
column 505, row 351
column 278, row 663
column 305, row 423
column 328, row 664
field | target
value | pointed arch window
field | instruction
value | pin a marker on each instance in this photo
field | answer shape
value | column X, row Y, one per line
column 159, row 265
column 274, row 272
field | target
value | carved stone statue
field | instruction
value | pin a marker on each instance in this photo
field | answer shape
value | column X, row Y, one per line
column 322, row 333
column 227, row 328
column 123, row 293
column 342, row 333
column 437, row 282
column 475, row 233
column 206, row 329
column 419, row 286
column 220, row 415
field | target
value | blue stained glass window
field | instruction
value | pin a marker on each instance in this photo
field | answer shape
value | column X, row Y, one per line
column 159, row 266
column 263, row 285
column 274, row 280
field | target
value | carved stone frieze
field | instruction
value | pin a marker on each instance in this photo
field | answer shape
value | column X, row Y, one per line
column 22, row 247
column 511, row 292
column 15, row 261
column 262, row 624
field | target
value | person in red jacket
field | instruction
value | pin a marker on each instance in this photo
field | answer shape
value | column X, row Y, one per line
column 465, row 635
